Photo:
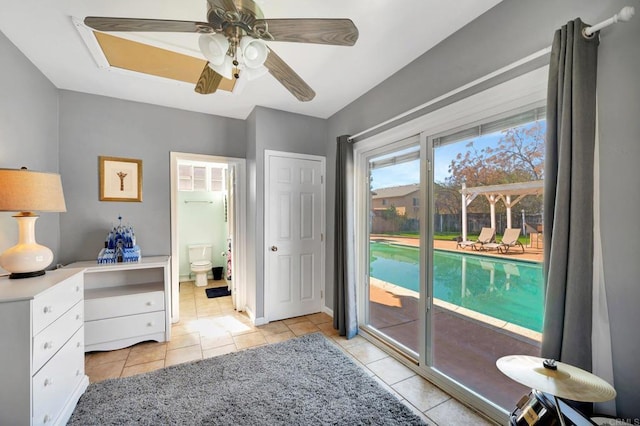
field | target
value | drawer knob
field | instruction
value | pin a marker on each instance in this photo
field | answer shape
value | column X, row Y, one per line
column 150, row 324
column 48, row 382
column 46, row 419
column 48, row 345
column 77, row 288
column 48, row 309
column 151, row 303
column 78, row 344
column 78, row 317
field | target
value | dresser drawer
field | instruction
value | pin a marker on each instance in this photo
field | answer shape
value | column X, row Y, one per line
column 124, row 304
column 53, row 384
column 107, row 330
column 52, row 338
column 53, row 303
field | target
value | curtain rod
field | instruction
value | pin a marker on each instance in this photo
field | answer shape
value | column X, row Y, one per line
column 625, row 14
column 198, row 201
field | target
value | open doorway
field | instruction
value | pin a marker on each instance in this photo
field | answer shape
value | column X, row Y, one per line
column 216, row 205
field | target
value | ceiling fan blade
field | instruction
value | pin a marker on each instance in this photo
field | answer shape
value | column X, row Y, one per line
column 288, row 78
column 208, row 82
column 338, row 32
column 148, row 25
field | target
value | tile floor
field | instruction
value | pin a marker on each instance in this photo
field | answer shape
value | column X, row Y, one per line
column 211, row 327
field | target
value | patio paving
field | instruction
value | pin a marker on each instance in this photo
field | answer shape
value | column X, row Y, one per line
column 533, row 254
column 464, row 348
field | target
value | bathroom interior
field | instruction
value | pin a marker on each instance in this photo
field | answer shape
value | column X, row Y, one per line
column 204, row 235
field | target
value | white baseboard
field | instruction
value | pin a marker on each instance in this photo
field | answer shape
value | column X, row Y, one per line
column 327, row 311
column 260, row 321
column 254, row 320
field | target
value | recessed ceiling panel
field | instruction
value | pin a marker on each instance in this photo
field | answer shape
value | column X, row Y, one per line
column 140, row 57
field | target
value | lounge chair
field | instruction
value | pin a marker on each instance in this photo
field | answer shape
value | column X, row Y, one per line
column 486, row 236
column 509, row 239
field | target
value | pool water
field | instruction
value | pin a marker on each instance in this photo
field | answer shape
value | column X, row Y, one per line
column 506, row 289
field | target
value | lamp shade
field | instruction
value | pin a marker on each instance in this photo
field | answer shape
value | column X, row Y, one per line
column 225, row 69
column 254, row 52
column 23, row 190
column 214, row 47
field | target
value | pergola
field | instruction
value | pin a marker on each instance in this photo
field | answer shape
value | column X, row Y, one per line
column 510, row 194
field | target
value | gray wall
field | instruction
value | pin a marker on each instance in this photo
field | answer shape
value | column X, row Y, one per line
column 28, row 134
column 91, row 126
column 619, row 109
column 508, row 32
column 279, row 131
column 251, row 212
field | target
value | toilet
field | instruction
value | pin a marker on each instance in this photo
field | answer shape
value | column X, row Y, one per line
column 200, row 260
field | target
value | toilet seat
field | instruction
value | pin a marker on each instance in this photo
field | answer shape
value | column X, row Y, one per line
column 201, row 265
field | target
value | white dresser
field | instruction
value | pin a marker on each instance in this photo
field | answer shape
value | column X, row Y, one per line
column 41, row 348
column 126, row 303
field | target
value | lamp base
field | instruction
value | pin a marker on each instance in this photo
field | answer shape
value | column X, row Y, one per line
column 27, row 258
column 19, row 275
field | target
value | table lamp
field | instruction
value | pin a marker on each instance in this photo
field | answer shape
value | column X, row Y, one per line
column 26, row 192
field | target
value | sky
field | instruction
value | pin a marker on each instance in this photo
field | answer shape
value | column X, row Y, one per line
column 409, row 172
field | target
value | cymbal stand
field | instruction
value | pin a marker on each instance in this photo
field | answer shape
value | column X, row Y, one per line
column 560, row 416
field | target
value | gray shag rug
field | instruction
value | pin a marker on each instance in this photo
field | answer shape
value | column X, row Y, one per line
column 302, row 381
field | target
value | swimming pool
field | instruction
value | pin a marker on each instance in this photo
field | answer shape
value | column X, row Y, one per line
column 506, row 289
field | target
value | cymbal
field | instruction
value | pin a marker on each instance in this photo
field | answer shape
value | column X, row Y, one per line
column 566, row 381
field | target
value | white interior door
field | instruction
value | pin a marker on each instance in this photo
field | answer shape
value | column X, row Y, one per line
column 294, row 220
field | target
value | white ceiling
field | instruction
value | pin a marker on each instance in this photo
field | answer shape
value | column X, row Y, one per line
column 392, row 34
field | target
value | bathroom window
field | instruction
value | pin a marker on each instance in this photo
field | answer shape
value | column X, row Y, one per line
column 185, row 177
column 201, row 178
column 217, row 179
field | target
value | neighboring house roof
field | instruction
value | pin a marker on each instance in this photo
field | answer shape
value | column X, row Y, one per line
column 395, row 191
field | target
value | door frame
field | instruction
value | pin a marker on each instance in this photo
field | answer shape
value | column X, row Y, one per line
column 238, row 282
column 323, row 170
column 363, row 152
column 523, row 92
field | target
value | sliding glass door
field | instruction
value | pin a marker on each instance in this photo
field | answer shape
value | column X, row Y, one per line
column 452, row 306
column 487, row 298
column 394, row 201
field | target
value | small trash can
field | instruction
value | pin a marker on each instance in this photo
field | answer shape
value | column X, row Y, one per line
column 217, row 272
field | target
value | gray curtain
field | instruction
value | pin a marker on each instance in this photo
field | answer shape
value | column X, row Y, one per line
column 568, row 196
column 345, row 317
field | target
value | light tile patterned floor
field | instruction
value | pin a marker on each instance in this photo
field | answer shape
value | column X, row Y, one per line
column 211, row 327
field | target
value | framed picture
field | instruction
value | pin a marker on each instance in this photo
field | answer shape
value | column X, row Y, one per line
column 120, row 179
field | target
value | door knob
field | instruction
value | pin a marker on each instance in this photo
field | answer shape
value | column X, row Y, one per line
column 274, row 248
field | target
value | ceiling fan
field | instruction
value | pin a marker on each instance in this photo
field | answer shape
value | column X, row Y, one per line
column 233, row 41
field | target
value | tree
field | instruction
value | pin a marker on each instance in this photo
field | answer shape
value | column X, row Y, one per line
column 517, row 157
column 390, row 213
column 446, row 198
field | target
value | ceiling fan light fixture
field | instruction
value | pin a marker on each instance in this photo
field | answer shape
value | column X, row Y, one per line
column 253, row 73
column 214, row 47
column 254, row 52
column 225, row 69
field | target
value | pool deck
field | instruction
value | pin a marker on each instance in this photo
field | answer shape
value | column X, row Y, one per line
column 532, row 254
column 465, row 347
